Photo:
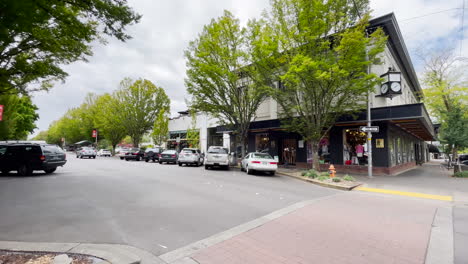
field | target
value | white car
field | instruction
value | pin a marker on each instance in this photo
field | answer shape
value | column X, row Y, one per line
column 86, row 152
column 217, row 156
column 256, row 161
column 104, row 153
column 121, row 153
column 190, row 156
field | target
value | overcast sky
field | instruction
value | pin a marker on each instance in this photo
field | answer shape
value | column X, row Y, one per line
column 156, row 50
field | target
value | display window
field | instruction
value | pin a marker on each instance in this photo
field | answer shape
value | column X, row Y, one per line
column 354, row 147
column 262, row 142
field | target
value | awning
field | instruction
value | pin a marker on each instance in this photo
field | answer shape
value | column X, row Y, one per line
column 412, row 118
column 433, row 149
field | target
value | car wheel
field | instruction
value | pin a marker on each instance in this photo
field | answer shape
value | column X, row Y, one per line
column 146, row 160
column 126, row 159
column 138, row 158
column 50, row 170
column 272, row 173
column 153, row 160
column 94, row 157
column 81, row 157
column 160, row 162
column 207, row 167
column 248, row 170
column 24, row 170
column 180, row 164
column 121, row 158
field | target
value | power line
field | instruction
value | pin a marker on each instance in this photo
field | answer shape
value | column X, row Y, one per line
column 429, row 14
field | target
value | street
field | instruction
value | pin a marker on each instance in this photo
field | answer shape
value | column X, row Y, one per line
column 147, row 205
column 164, row 208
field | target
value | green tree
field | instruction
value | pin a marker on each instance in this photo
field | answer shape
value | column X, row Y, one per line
column 446, row 96
column 108, row 119
column 141, row 102
column 41, row 136
column 38, row 37
column 193, row 134
column 218, row 76
column 19, row 117
column 160, row 129
column 316, row 51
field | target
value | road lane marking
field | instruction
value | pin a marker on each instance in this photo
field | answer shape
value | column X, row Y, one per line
column 411, row 194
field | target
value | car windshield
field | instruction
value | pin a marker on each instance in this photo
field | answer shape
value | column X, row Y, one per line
column 135, row 149
column 87, row 148
column 189, row 151
column 261, row 156
column 218, row 150
column 169, row 152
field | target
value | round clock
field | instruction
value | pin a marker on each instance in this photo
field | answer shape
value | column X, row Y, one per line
column 396, row 87
column 384, row 88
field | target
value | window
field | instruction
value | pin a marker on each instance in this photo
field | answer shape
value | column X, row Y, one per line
column 218, row 150
column 262, row 142
column 262, row 156
column 3, row 149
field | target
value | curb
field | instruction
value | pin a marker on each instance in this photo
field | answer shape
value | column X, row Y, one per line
column 323, row 184
column 113, row 253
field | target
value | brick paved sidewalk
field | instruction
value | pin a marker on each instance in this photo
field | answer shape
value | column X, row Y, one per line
column 358, row 228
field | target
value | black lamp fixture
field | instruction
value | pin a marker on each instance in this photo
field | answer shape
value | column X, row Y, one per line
column 392, row 83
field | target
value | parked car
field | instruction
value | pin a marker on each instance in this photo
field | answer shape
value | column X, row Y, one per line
column 104, row 153
column 168, row 156
column 27, row 157
column 462, row 157
column 121, row 153
column 190, row 156
column 153, row 154
column 256, row 161
column 134, row 154
column 86, row 152
column 217, row 156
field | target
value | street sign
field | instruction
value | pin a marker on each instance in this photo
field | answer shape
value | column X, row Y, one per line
column 94, row 133
column 1, row 112
column 372, row 129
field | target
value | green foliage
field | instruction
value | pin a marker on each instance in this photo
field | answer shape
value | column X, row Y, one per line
column 140, row 103
column 19, row 116
column 317, row 50
column 322, row 178
column 160, row 131
column 303, row 174
column 336, row 179
column 349, row 178
column 454, row 128
column 38, row 37
column 461, row 174
column 312, row 174
column 218, row 76
column 324, row 173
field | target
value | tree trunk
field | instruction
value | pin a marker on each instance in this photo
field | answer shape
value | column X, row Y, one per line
column 315, row 156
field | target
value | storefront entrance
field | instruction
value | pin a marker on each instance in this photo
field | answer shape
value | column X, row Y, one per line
column 354, row 147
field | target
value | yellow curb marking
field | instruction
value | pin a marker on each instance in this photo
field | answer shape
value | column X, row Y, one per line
column 412, row 194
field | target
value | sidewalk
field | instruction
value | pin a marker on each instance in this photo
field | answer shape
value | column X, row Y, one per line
column 349, row 228
column 430, row 178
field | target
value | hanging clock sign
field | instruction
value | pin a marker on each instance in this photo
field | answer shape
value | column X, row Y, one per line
column 391, row 85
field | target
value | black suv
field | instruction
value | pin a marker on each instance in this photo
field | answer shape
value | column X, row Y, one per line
column 28, row 157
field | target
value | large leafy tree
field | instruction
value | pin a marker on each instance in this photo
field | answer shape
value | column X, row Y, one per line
column 218, row 75
column 38, row 37
column 446, row 95
column 108, row 119
column 160, row 131
column 19, row 117
column 316, row 51
column 140, row 103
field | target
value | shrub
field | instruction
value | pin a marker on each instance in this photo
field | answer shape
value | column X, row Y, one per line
column 304, row 173
column 322, row 178
column 348, row 178
column 461, row 174
column 312, row 174
column 325, row 173
column 336, row 179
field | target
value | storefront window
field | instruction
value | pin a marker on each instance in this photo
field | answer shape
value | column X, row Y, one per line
column 262, row 143
column 398, row 150
column 392, row 151
column 354, row 147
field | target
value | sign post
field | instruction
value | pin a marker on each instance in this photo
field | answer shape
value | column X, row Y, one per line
column 95, row 135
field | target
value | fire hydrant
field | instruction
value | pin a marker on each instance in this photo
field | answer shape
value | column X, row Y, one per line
column 332, row 171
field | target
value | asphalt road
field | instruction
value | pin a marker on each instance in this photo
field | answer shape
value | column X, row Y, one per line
column 155, row 207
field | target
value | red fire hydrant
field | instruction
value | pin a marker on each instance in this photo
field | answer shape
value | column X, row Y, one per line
column 332, row 171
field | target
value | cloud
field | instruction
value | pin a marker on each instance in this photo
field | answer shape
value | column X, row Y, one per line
column 156, row 50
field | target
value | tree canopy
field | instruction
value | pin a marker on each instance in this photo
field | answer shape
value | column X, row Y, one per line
column 218, row 77
column 317, row 52
column 19, row 116
column 140, row 103
column 38, row 37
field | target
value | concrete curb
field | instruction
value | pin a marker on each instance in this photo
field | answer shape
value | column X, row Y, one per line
column 323, row 184
column 440, row 248
column 182, row 255
column 113, row 253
